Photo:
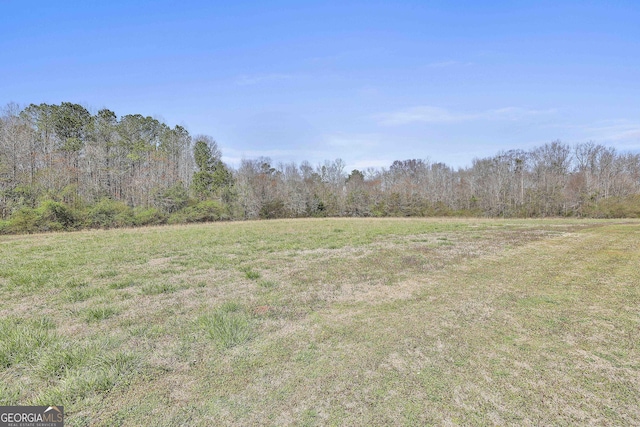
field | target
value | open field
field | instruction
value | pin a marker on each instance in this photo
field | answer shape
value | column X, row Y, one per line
column 327, row 322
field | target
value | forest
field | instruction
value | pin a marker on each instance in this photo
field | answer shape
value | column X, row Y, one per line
column 63, row 167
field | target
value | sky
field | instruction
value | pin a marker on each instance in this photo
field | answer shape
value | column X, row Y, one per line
column 366, row 81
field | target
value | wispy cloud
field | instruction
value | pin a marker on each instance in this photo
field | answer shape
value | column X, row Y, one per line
column 422, row 114
column 625, row 133
column 430, row 114
column 234, row 156
column 515, row 113
column 631, row 134
column 353, row 142
column 248, row 80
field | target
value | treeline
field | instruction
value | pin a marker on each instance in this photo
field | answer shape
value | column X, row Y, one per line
column 63, row 167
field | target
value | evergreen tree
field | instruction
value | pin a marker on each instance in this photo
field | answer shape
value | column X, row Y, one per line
column 212, row 179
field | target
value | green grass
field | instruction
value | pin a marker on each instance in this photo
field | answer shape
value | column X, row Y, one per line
column 228, row 326
column 327, row 322
column 96, row 314
column 158, row 288
column 267, row 284
column 22, row 340
column 250, row 273
column 122, row 284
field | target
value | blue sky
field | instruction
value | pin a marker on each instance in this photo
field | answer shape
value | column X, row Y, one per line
column 369, row 82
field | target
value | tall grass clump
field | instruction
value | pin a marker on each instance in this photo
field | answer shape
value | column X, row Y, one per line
column 158, row 288
column 96, row 314
column 250, row 273
column 21, row 342
column 87, row 374
column 228, row 326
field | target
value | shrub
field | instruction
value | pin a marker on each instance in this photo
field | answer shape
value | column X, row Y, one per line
column 49, row 216
column 172, row 199
column 24, row 220
column 55, row 216
column 5, row 227
column 273, row 209
column 148, row 216
column 109, row 213
column 614, row 207
column 22, row 195
column 208, row 210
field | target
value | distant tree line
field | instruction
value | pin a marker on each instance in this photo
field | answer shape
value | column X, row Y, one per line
column 63, row 167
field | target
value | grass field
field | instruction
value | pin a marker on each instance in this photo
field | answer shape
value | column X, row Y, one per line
column 327, row 322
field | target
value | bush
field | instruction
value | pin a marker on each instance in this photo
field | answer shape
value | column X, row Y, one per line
column 149, row 216
column 273, row 209
column 172, row 199
column 49, row 216
column 24, row 220
column 109, row 213
column 619, row 207
column 22, row 195
column 614, row 207
column 209, row 210
column 56, row 216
